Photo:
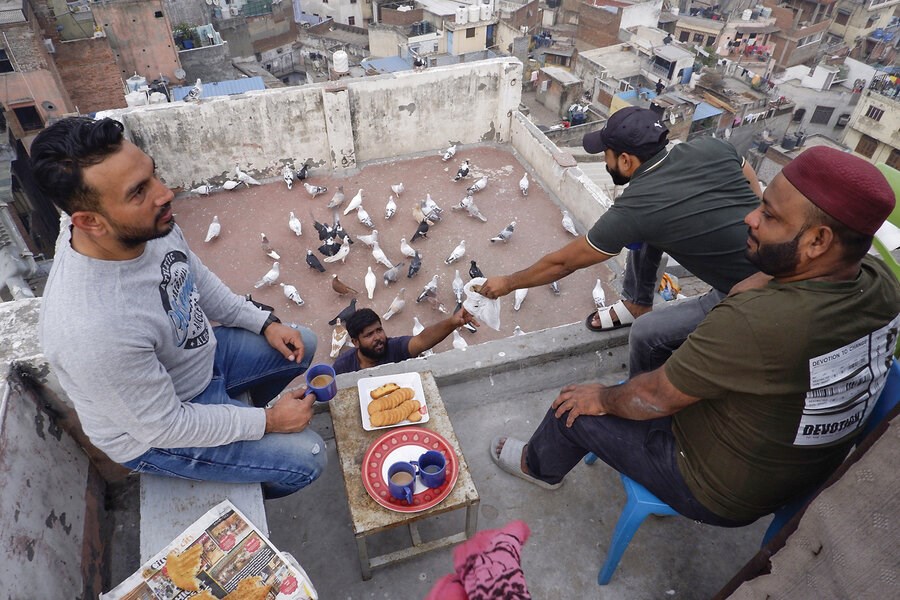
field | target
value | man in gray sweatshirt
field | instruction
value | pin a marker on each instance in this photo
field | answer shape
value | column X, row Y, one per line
column 125, row 324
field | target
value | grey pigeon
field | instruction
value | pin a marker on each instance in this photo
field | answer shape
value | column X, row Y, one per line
column 338, row 198
column 392, row 275
column 344, row 314
column 554, row 287
column 478, row 185
column 315, row 190
column 414, row 265
column 313, row 261
column 430, row 290
column 504, row 235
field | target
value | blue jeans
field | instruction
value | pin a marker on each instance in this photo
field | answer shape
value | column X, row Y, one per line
column 282, row 462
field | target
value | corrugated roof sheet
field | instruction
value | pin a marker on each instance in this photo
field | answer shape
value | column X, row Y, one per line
column 704, row 111
column 222, row 88
column 390, row 64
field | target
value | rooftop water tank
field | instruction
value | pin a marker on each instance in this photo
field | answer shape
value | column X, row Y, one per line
column 158, row 98
column 341, row 62
column 135, row 99
column 746, row 15
column 474, row 13
column 462, row 15
column 789, row 142
column 485, row 12
column 765, row 12
column 135, row 82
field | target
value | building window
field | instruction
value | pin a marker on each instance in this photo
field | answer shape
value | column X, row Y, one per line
column 711, row 40
column 842, row 17
column 5, row 63
column 894, row 159
column 810, row 39
column 866, row 146
column 470, row 32
column 29, row 118
column 683, row 36
column 875, row 3
column 698, row 38
column 870, row 22
column 874, row 113
column 351, row 20
column 822, row 115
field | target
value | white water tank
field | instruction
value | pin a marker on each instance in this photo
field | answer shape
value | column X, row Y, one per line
column 462, row 15
column 474, row 13
column 158, row 98
column 674, row 10
column 485, row 12
column 136, row 82
column 135, row 98
column 341, row 62
column 746, row 15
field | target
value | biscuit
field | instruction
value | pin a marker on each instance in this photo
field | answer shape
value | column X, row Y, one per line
column 249, row 588
column 395, row 415
column 182, row 568
column 392, row 400
column 383, row 390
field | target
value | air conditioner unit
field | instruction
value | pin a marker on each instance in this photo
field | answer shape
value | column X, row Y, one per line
column 48, row 43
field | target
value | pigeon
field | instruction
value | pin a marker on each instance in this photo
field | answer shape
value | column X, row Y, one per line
column 468, row 204
column 518, row 331
column 520, row 298
column 438, row 306
column 418, row 215
column 464, row 203
column 458, row 342
column 398, row 188
column 338, row 230
column 291, row 293
column 295, row 225
column 314, row 190
column 322, row 229
column 504, row 235
column 406, row 249
column 288, row 175
column 396, row 306
column 369, row 240
column 259, row 305
column 457, row 253
column 355, row 202
column 340, row 287
column 554, row 287
column 329, row 248
column 468, row 326
column 463, row 171
column 338, row 198
column 478, row 185
column 568, row 224
column 230, row 184
column 421, row 231
column 417, row 326
column 339, row 337
column 244, row 177
column 474, row 271
column 390, row 209
column 430, row 209
column 371, row 282
column 203, row 190
column 380, row 257
column 303, row 173
column 599, row 295
column 344, row 314
column 270, row 277
column 313, row 261
column 458, row 287
column 364, row 218
column 341, row 254
column 449, row 153
column 392, row 275
column 267, row 247
column 414, row 265
column 430, row 289
column 195, row 92
column 523, row 184
column 213, row 231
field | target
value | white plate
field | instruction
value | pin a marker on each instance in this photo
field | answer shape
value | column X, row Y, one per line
column 404, row 380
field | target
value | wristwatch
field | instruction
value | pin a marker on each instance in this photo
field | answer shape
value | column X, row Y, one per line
column 269, row 320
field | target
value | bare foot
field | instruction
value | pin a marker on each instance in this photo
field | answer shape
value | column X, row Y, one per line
column 636, row 310
column 523, row 466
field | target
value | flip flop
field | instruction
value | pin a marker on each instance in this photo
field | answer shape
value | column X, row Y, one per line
column 606, row 323
column 510, row 461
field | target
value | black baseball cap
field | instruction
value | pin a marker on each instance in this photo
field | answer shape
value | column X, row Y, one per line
column 633, row 130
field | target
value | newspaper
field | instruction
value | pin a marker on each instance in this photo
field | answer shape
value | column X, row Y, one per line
column 214, row 556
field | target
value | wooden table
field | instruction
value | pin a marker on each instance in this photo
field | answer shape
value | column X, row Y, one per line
column 369, row 517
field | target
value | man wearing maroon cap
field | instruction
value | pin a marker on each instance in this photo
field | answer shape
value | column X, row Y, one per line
column 764, row 400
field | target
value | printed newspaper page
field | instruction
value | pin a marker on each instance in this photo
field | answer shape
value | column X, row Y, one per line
column 221, row 556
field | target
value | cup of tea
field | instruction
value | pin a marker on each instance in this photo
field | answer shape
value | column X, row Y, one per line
column 433, row 469
column 320, row 381
column 402, row 481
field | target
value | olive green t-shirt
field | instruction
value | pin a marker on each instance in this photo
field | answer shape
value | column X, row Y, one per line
column 787, row 375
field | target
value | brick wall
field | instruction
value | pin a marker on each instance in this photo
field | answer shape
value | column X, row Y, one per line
column 89, row 72
column 390, row 16
column 597, row 28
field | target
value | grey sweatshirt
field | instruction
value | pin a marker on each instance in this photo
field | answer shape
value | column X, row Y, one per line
column 131, row 343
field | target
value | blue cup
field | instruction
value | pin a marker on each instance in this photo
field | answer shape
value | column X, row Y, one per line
column 402, row 481
column 320, row 381
column 433, row 469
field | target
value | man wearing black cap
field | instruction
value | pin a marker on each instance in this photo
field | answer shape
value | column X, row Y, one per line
column 765, row 399
column 689, row 201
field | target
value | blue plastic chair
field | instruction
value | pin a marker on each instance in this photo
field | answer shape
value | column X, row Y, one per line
column 640, row 503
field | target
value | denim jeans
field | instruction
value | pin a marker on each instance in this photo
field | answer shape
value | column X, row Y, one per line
column 282, row 462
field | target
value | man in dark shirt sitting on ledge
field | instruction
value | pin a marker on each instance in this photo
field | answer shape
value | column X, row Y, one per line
column 374, row 348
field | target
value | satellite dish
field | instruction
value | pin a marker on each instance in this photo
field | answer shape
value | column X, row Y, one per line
column 179, row 73
column 672, row 118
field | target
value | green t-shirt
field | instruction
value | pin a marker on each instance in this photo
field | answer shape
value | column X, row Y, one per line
column 787, row 374
column 690, row 202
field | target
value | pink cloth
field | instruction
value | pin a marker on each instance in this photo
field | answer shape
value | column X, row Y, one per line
column 488, row 567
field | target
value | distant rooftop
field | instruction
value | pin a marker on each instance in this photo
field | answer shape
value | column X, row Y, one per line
column 222, row 88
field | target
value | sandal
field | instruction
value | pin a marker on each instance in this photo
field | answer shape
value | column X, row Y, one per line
column 510, row 460
column 606, row 323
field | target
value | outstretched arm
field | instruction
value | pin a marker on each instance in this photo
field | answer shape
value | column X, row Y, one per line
column 433, row 335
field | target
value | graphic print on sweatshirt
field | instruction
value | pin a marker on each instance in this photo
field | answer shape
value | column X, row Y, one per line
column 180, row 299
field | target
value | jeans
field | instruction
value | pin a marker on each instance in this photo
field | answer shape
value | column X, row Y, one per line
column 282, row 462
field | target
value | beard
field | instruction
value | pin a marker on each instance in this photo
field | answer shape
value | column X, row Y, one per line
column 617, row 177
column 775, row 259
column 372, row 353
column 132, row 237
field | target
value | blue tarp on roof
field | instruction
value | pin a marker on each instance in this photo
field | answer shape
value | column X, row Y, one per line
column 704, row 111
column 390, row 64
column 222, row 88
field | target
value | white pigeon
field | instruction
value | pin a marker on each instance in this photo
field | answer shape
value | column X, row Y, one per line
column 203, row 190
column 554, row 287
column 244, row 177
column 568, row 224
column 397, row 304
column 523, row 184
column 338, row 198
column 397, row 188
column 599, row 295
column 213, row 229
column 270, row 277
column 267, row 247
column 463, row 204
column 380, row 257
column 339, row 337
column 520, row 298
column 468, row 204
column 295, row 225
column 355, row 202
column 390, row 209
column 417, row 326
column 369, row 240
column 230, row 184
column 195, row 92
column 504, row 235
column 463, row 171
column 291, row 293
column 314, row 190
column 458, row 342
column 371, row 282
column 457, row 253
column 430, row 208
column 458, row 290
column 364, row 218
column 341, row 254
column 406, row 249
column 518, row 331
column 449, row 153
column 478, row 185
column 430, row 289
column 288, row 175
